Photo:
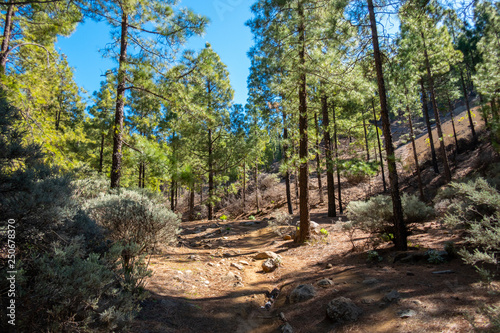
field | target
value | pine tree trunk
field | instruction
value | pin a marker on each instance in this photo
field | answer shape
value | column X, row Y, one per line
column 400, row 234
column 318, row 163
column 256, row 178
column 4, row 51
column 453, row 123
column 444, row 155
column 101, row 152
column 471, row 122
column 330, row 184
column 172, row 194
column 305, row 222
column 379, row 146
column 210, row 177
column 191, row 203
column 285, row 156
column 116, row 165
column 244, row 186
column 366, row 137
column 335, row 140
column 429, row 127
column 415, row 155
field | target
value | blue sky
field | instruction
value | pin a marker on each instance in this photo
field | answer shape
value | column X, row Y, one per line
column 227, row 34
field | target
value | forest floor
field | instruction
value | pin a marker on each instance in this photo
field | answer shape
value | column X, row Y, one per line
column 196, row 286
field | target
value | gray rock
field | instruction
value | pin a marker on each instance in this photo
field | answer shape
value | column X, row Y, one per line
column 286, row 328
column 194, row 257
column 392, row 296
column 266, row 255
column 238, row 266
column 238, row 284
column 343, row 310
column 370, row 281
column 302, row 293
column 325, row 283
column 406, row 313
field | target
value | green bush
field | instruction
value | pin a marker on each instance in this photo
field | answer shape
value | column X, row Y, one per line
column 476, row 207
column 132, row 217
column 357, row 171
column 375, row 216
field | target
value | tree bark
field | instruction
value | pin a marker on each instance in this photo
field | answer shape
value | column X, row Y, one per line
column 256, row 178
column 453, row 124
column 120, row 106
column 305, row 222
column 285, row 156
column 210, row 177
column 4, row 51
column 415, row 155
column 429, row 127
column 191, row 203
column 244, row 185
column 444, row 155
column 318, row 163
column 400, row 234
column 101, row 152
column 330, row 184
column 471, row 122
column 379, row 146
column 337, row 158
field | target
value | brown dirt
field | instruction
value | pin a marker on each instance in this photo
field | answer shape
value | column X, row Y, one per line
column 183, row 301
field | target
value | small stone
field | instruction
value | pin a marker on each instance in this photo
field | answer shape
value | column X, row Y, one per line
column 243, row 262
column 211, row 264
column 393, row 295
column 266, row 255
column 329, row 266
column 238, row 284
column 238, row 266
column 287, row 237
column 302, row 293
column 269, row 265
column 286, row 328
column 343, row 310
column 406, row 313
column 206, row 282
column 367, row 301
column 188, row 272
column 370, row 281
column 325, row 283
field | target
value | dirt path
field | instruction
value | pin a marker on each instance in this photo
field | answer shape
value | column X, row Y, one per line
column 197, row 286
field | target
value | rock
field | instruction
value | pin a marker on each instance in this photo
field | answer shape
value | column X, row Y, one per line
column 286, row 328
column 329, row 266
column 367, row 301
column 325, row 283
column 238, row 266
column 230, row 277
column 238, row 284
column 266, row 255
column 194, row 257
column 370, row 281
column 248, row 224
column 302, row 293
column 211, row 264
column 406, row 313
column 269, row 265
column 287, row 237
column 243, row 262
column 343, row 310
column 391, row 296
column 188, row 272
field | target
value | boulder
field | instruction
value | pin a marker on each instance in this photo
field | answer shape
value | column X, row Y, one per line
column 392, row 296
column 302, row 293
column 325, row 283
column 237, row 266
column 343, row 310
column 269, row 265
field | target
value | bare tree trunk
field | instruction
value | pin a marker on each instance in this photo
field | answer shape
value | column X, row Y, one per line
column 101, row 152
column 415, row 155
column 210, row 177
column 256, row 177
column 120, row 106
column 366, row 137
column 429, row 127
column 305, row 222
column 244, row 186
column 285, row 155
column 191, row 203
column 337, row 158
column 379, row 146
column 330, row 183
column 172, row 194
column 444, row 156
column 453, row 123
column 6, row 38
column 318, row 163
column 400, row 234
column 466, row 96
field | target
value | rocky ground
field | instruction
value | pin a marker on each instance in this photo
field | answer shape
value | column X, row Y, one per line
column 213, row 280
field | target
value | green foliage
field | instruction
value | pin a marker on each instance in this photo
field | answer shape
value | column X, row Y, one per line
column 375, row 216
column 373, row 256
column 434, row 257
column 251, row 217
column 134, row 218
column 357, row 171
column 475, row 205
column 324, row 232
column 223, row 217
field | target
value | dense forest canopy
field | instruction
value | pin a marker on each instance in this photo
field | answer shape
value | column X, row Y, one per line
column 328, row 82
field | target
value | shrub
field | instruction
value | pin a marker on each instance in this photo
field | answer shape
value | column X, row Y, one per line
column 375, row 216
column 357, row 171
column 131, row 217
column 476, row 207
